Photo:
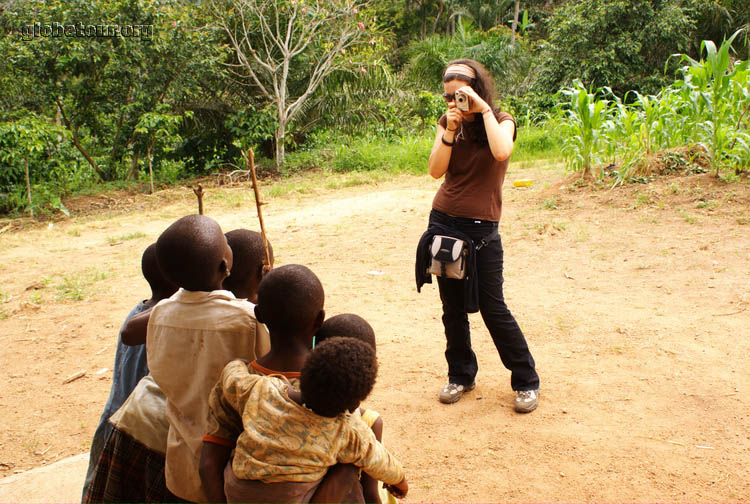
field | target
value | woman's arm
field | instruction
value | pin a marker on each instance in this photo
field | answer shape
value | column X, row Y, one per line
column 440, row 156
column 499, row 136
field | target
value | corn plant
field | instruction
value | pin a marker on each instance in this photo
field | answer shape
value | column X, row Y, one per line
column 586, row 120
column 713, row 79
column 623, row 140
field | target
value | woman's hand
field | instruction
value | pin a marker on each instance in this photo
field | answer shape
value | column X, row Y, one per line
column 478, row 105
column 453, row 117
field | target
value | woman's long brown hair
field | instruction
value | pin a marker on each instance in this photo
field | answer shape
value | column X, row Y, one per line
column 482, row 84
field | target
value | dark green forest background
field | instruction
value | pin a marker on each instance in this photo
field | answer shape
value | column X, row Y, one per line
column 208, row 79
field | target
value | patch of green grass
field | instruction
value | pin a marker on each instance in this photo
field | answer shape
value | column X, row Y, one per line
column 74, row 232
column 408, row 154
column 706, row 204
column 582, row 235
column 36, row 298
column 550, row 204
column 120, row 239
column 687, row 217
column 74, row 287
column 618, row 349
column 642, row 199
column 31, row 446
column 537, row 142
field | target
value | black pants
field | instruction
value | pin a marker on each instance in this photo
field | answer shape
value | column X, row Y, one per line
column 507, row 336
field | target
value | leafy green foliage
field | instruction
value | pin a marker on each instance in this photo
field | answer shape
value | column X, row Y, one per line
column 42, row 148
column 723, row 90
column 709, row 107
column 511, row 65
column 587, row 116
column 99, row 86
column 621, row 44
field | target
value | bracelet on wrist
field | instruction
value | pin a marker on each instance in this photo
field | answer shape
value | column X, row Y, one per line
column 488, row 110
column 448, row 129
column 446, row 142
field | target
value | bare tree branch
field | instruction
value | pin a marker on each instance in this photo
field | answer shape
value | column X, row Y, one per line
column 271, row 38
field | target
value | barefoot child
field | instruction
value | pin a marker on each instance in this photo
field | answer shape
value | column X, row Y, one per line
column 130, row 361
column 291, row 437
column 192, row 336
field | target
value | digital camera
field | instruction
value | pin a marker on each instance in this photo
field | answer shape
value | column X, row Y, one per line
column 463, row 102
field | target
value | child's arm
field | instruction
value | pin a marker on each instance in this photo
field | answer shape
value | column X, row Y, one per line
column 223, row 425
column 399, row 489
column 370, row 484
column 134, row 330
column 214, row 458
column 362, row 449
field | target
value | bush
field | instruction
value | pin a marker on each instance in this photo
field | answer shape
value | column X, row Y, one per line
column 405, row 155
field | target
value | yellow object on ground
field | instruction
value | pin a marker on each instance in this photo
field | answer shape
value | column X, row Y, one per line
column 522, row 182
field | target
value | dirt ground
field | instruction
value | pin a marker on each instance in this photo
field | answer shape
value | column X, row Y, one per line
column 635, row 303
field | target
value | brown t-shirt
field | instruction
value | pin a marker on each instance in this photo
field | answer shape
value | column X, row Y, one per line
column 473, row 182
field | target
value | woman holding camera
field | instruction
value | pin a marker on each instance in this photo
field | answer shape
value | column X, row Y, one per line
column 472, row 148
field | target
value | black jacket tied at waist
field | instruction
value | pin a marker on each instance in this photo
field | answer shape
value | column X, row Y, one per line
column 471, row 281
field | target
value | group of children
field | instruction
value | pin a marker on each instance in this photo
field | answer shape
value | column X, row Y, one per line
column 231, row 386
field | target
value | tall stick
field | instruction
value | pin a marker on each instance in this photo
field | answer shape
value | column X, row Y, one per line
column 199, row 193
column 258, row 204
column 28, row 187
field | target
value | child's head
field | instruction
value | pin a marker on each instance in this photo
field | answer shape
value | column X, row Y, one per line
column 161, row 288
column 248, row 255
column 338, row 375
column 346, row 325
column 290, row 299
column 193, row 253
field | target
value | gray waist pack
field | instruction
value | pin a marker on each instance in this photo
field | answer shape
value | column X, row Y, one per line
column 448, row 257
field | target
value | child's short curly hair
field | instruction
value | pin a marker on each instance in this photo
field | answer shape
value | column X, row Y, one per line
column 338, row 375
column 347, row 325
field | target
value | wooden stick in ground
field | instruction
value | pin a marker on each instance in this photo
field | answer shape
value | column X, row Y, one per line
column 28, row 188
column 199, row 193
column 258, row 204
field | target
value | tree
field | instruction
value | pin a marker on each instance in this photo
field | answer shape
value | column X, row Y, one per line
column 99, row 66
column 25, row 144
column 158, row 130
column 515, row 21
column 484, row 15
column 286, row 48
column 622, row 44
